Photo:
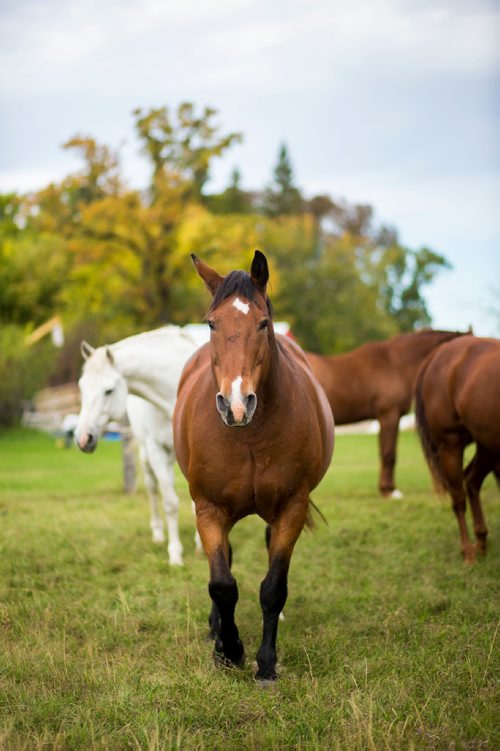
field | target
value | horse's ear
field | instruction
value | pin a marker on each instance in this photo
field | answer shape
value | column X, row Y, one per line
column 212, row 279
column 259, row 271
column 86, row 349
column 109, row 355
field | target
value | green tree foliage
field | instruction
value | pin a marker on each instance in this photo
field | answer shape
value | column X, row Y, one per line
column 113, row 260
column 181, row 147
column 282, row 197
column 233, row 200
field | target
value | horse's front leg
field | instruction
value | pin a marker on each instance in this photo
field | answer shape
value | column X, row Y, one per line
column 151, row 484
column 214, row 527
column 388, row 436
column 164, row 466
column 274, row 589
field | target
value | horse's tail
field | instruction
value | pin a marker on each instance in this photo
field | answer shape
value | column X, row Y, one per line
column 429, row 446
column 309, row 519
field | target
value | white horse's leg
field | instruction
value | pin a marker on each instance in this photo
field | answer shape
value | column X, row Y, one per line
column 164, row 469
column 197, row 538
column 152, row 491
column 171, row 506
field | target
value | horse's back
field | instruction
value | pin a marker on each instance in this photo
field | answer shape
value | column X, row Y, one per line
column 358, row 384
column 461, row 387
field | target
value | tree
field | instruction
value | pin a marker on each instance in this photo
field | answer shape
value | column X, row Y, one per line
column 282, row 197
column 233, row 200
column 181, row 147
column 405, row 273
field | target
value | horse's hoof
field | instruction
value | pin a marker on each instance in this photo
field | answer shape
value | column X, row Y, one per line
column 469, row 556
column 175, row 556
column 235, row 660
column 266, row 683
column 222, row 661
column 266, row 679
column 176, row 562
column 396, row 494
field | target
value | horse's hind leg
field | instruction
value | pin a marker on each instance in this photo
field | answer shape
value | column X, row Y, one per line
column 274, row 589
column 451, row 461
column 389, row 426
column 214, row 528
column 481, row 465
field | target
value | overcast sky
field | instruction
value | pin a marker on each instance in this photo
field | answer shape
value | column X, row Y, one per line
column 390, row 102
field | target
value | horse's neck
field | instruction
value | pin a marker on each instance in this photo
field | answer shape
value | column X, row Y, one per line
column 279, row 369
column 413, row 352
column 152, row 372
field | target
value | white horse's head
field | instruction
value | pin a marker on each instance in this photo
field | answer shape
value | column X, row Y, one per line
column 104, row 395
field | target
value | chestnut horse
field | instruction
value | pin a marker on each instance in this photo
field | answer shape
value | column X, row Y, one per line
column 458, row 402
column 376, row 381
column 253, row 435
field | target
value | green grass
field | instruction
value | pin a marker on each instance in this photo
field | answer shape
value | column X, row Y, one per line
column 389, row 640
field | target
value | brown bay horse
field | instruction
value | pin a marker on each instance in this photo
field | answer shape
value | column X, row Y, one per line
column 458, row 403
column 376, row 382
column 253, row 435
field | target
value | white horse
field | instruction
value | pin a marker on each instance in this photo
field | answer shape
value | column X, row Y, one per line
column 139, row 376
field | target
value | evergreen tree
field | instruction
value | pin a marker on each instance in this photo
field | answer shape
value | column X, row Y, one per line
column 282, row 197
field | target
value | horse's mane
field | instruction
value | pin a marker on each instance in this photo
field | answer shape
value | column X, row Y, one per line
column 238, row 283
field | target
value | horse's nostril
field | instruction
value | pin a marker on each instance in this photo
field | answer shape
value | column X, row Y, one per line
column 222, row 403
column 250, row 403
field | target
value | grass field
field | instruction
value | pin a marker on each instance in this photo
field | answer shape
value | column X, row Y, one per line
column 389, row 640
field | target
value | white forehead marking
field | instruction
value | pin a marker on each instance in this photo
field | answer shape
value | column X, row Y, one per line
column 236, row 390
column 243, row 307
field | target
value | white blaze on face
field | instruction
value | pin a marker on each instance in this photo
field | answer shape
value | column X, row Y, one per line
column 243, row 307
column 237, row 406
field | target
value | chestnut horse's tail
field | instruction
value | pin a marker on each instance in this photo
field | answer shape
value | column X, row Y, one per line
column 310, row 520
column 429, row 446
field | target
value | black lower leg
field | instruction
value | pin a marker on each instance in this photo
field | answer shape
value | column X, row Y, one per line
column 214, row 617
column 273, row 593
column 224, row 593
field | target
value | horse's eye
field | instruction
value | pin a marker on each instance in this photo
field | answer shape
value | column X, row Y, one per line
column 263, row 324
column 108, row 392
column 211, row 325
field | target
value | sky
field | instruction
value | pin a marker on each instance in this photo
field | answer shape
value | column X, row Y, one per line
column 395, row 103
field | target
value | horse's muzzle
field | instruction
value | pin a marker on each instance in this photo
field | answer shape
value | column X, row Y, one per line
column 236, row 413
column 86, row 442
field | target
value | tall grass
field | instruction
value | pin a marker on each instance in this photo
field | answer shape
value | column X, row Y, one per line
column 389, row 640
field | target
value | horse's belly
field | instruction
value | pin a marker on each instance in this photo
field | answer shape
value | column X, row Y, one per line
column 249, row 490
